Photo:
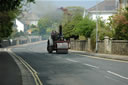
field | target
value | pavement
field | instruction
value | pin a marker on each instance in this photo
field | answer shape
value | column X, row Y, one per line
column 9, row 71
column 100, row 55
column 13, row 71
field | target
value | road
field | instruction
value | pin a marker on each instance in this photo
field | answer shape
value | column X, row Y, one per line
column 72, row 68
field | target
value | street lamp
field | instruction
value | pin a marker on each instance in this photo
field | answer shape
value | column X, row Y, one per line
column 96, row 28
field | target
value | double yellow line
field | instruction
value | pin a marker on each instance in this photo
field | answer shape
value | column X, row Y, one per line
column 31, row 70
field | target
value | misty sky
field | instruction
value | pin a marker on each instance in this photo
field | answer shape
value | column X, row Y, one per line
column 42, row 7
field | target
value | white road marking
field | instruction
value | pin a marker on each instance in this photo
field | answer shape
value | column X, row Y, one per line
column 71, row 60
column 118, row 75
column 90, row 65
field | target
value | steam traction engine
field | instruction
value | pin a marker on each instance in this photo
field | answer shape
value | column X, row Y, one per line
column 56, row 42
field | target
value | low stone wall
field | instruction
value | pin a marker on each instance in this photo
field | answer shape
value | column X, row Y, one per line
column 4, row 43
column 120, row 47
column 101, row 46
column 18, row 41
column 107, row 46
column 79, row 45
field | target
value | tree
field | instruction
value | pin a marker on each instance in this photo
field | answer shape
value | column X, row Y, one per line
column 9, row 10
column 70, row 13
column 68, row 29
column 103, row 30
column 119, row 25
column 71, row 18
column 85, row 27
column 34, row 30
column 49, row 22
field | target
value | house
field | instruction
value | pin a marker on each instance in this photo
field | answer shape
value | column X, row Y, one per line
column 104, row 9
column 30, row 18
column 123, row 3
column 19, row 25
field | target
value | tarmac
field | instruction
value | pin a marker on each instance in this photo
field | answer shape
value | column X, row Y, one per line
column 10, row 73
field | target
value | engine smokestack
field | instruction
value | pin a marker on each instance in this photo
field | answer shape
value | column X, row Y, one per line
column 60, row 30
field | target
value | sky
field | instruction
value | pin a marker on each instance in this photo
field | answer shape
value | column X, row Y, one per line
column 43, row 7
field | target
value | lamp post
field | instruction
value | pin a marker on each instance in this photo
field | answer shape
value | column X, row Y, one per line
column 96, row 28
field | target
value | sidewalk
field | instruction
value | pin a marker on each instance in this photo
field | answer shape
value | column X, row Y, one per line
column 9, row 71
column 108, row 56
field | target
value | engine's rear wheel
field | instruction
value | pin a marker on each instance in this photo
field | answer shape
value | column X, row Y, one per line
column 49, row 48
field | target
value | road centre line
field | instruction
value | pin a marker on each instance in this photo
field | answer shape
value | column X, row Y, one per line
column 118, row 75
column 90, row 65
column 83, row 63
column 71, row 60
column 32, row 71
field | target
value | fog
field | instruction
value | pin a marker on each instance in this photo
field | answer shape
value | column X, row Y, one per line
column 43, row 7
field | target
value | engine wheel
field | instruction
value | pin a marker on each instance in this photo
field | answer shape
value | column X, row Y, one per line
column 49, row 48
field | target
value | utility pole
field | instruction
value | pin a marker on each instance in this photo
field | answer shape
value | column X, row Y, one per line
column 96, row 27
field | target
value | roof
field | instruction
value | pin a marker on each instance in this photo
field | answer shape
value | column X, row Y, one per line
column 26, row 18
column 106, row 5
column 31, row 16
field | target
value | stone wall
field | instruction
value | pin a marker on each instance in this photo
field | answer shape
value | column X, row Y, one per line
column 107, row 46
column 101, row 46
column 80, row 45
column 18, row 41
column 120, row 47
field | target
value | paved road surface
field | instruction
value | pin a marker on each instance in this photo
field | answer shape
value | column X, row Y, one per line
column 72, row 68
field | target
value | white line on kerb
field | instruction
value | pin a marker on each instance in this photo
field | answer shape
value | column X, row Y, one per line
column 71, row 60
column 117, row 75
column 90, row 65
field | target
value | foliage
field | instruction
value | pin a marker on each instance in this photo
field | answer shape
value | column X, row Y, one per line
column 43, row 24
column 34, row 30
column 9, row 9
column 16, row 34
column 69, row 22
column 119, row 24
column 71, row 13
column 68, row 29
column 85, row 27
column 48, row 23
column 103, row 30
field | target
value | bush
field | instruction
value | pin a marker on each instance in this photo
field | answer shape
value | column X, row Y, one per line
column 119, row 24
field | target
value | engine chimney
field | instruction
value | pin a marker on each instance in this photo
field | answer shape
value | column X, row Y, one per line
column 60, row 30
